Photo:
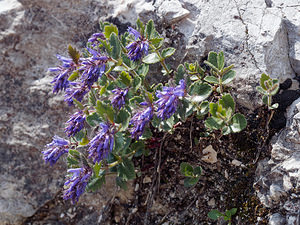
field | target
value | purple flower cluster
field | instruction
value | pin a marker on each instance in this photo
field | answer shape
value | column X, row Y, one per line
column 55, row 149
column 75, row 124
column 60, row 81
column 75, row 185
column 92, row 68
column 140, row 120
column 168, row 100
column 139, row 47
column 118, row 100
column 78, row 91
column 102, row 144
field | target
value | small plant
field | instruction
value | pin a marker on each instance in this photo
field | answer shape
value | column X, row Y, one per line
column 116, row 107
column 192, row 175
column 268, row 87
column 216, row 214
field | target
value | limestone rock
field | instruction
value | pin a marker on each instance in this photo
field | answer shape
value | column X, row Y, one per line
column 172, row 11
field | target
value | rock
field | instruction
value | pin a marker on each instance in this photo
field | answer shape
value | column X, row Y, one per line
column 276, row 218
column 209, row 155
column 278, row 181
column 172, row 11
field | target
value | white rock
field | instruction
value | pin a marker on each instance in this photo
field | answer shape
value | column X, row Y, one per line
column 210, row 155
column 172, row 11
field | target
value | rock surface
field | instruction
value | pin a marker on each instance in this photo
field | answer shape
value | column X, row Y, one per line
column 257, row 36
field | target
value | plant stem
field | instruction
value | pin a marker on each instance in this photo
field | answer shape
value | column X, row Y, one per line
column 161, row 59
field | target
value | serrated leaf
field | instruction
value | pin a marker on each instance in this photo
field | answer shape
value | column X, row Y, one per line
column 116, row 47
column 121, row 142
column 126, row 169
column 157, row 41
column 238, row 123
column 109, row 29
column 186, row 169
column 137, row 81
column 214, row 214
column 151, row 58
column 74, row 54
column 138, row 147
column 167, row 52
column 78, row 103
column 71, row 161
column 211, row 66
column 143, row 70
column 140, row 26
column 92, row 98
column 227, row 102
column 211, row 79
column 228, row 77
column 190, row 181
column 220, row 60
column 150, row 29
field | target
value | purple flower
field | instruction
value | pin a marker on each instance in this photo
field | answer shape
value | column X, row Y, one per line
column 76, row 184
column 168, row 100
column 75, row 124
column 140, row 120
column 60, row 81
column 139, row 47
column 102, row 144
column 55, row 149
column 94, row 38
column 118, row 99
column 77, row 92
column 92, row 67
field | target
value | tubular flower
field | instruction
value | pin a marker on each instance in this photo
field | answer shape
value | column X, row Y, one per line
column 94, row 38
column 168, row 100
column 75, row 124
column 55, row 150
column 76, row 184
column 76, row 92
column 92, row 68
column 60, row 81
column 139, row 47
column 118, row 99
column 140, row 120
column 102, row 144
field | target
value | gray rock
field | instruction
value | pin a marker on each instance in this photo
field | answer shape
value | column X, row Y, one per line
column 172, row 11
column 276, row 219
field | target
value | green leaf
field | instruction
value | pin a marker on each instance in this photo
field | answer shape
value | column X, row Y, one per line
column 121, row 183
column 126, row 169
column 213, row 109
column 213, row 123
column 109, row 29
column 186, row 169
column 157, row 42
column 261, row 90
column 125, row 78
column 74, row 54
column 138, row 147
column 274, row 89
column 78, row 103
column 198, row 171
column 204, row 108
column 123, row 118
column 137, row 81
column 211, row 79
column 238, row 123
column 213, row 59
column 264, row 77
column 92, row 98
column 227, row 102
column 274, row 106
column 220, row 60
column 211, row 66
column 190, row 181
column 71, row 161
column 105, row 111
column 97, row 168
column 199, row 91
column 214, row 214
column 151, row 58
column 140, row 26
column 121, row 142
column 150, row 29
column 228, row 77
column 179, row 75
column 116, row 47
column 167, row 52
column 96, row 183
column 231, row 212
column 73, row 76
column 143, row 70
